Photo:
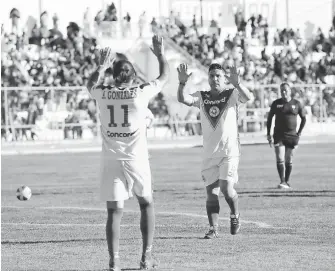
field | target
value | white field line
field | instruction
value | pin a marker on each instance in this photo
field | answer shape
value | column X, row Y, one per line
column 257, row 223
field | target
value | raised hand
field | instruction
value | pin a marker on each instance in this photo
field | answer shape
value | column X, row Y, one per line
column 105, row 59
column 234, row 76
column 157, row 45
column 182, row 73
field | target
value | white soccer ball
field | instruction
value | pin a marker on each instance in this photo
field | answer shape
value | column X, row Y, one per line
column 23, row 193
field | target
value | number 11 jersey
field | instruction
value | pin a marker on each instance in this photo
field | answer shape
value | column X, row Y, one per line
column 123, row 112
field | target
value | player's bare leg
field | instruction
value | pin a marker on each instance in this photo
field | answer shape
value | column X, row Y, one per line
column 213, row 209
column 288, row 164
column 231, row 196
column 115, row 212
column 280, row 156
column 147, row 226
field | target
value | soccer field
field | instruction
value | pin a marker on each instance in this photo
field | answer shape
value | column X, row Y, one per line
column 62, row 227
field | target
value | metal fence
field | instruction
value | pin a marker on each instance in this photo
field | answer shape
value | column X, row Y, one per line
column 67, row 113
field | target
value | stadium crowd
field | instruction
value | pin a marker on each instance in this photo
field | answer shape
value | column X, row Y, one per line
column 288, row 57
column 40, row 56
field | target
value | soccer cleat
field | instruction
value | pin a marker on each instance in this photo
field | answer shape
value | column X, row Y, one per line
column 288, row 185
column 283, row 185
column 234, row 224
column 212, row 233
column 114, row 264
column 148, row 264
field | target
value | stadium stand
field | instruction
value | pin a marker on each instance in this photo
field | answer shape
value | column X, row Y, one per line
column 43, row 71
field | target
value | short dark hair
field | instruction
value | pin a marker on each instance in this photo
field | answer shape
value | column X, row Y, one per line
column 119, row 64
column 215, row 66
column 287, row 84
column 117, row 72
column 14, row 13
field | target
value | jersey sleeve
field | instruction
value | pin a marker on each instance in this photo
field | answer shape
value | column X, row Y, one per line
column 240, row 98
column 149, row 114
column 235, row 98
column 151, row 89
column 196, row 99
column 273, row 108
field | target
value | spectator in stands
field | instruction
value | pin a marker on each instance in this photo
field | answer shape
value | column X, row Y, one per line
column 56, row 36
column 239, row 21
column 142, row 22
column 99, row 17
column 87, row 24
column 127, row 25
column 253, row 25
column 172, row 20
column 110, row 15
column 15, row 18
column 53, row 60
column 44, row 29
column 154, row 25
column 194, row 22
column 74, row 38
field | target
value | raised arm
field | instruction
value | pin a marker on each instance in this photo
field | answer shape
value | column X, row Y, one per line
column 105, row 61
column 158, row 50
column 234, row 79
column 183, row 77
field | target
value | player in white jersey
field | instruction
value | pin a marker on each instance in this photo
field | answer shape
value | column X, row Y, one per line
column 221, row 146
column 124, row 159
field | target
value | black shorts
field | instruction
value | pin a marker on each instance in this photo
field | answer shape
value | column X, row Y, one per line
column 289, row 139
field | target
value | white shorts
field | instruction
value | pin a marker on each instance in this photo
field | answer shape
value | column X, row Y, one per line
column 121, row 178
column 223, row 168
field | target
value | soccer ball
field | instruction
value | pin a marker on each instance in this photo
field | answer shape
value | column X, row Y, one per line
column 23, row 193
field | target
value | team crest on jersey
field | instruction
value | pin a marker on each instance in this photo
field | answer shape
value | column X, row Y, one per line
column 214, row 107
column 214, row 111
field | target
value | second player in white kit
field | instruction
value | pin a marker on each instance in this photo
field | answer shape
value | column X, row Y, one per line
column 221, row 147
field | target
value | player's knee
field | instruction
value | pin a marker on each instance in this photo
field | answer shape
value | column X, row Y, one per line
column 212, row 199
column 145, row 201
column 280, row 156
column 213, row 205
column 115, row 205
column 114, row 209
column 288, row 159
column 288, row 163
column 212, row 193
column 227, row 189
column 112, row 212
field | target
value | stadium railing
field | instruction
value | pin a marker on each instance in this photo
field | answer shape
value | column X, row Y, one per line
column 52, row 113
